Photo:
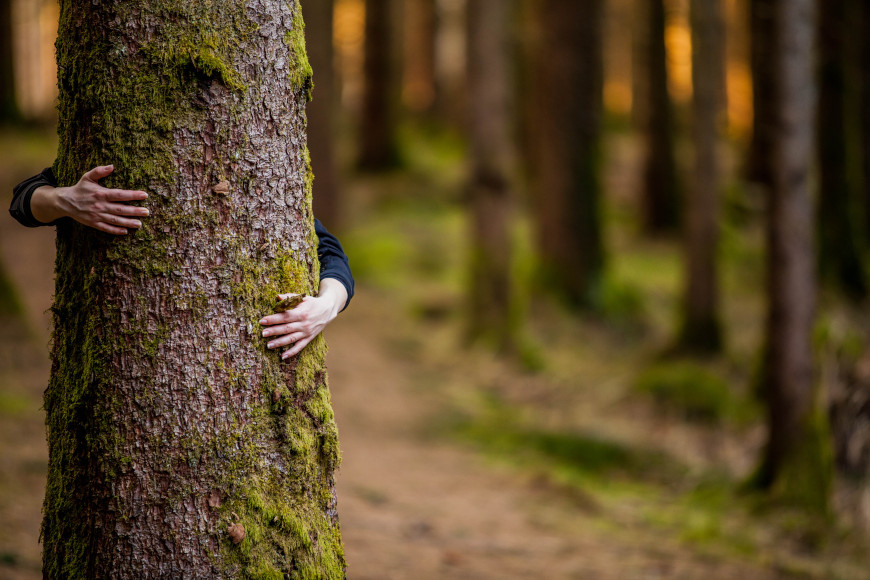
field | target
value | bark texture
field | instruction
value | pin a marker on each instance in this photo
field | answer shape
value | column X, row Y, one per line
column 797, row 460
column 322, row 110
column 660, row 189
column 701, row 329
column 168, row 419
column 377, row 139
column 839, row 255
column 490, row 187
column 567, row 147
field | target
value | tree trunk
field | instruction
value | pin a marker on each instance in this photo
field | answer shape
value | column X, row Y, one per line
column 701, row 329
column 764, row 98
column 378, row 149
column 864, row 71
column 491, row 154
column 661, row 194
column 567, row 137
column 322, row 110
column 797, row 461
column 171, row 428
column 640, row 74
column 8, row 105
column 419, row 83
column 839, row 255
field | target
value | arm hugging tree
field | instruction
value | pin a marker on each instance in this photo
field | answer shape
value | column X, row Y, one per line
column 169, row 419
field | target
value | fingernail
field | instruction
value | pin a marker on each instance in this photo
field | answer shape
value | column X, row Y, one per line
column 271, row 345
column 285, row 355
column 262, row 321
column 147, row 212
column 110, row 166
column 265, row 332
column 138, row 224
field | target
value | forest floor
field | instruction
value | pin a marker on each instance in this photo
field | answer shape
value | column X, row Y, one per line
column 458, row 464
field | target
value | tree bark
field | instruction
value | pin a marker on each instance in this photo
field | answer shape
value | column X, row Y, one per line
column 322, row 110
column 567, row 146
column 661, row 204
column 377, row 138
column 797, row 460
column 701, row 329
column 490, row 187
column 762, row 26
column 171, row 428
column 839, row 255
column 8, row 106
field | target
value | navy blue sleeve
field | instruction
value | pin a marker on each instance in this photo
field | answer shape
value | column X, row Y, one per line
column 20, row 207
column 333, row 260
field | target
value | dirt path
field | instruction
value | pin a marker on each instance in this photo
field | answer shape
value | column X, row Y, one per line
column 411, row 506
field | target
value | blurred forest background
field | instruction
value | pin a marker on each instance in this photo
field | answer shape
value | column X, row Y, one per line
column 612, row 313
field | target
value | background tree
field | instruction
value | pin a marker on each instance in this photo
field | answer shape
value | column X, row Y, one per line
column 566, row 132
column 840, row 259
column 322, row 110
column 863, row 66
column 764, row 97
column 660, row 189
column 8, row 106
column 420, row 85
column 171, row 428
column 701, row 328
column 489, row 117
column 796, row 461
column 377, row 137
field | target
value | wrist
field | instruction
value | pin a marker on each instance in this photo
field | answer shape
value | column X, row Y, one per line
column 334, row 292
column 46, row 204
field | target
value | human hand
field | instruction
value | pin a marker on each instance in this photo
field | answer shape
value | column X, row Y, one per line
column 90, row 203
column 302, row 324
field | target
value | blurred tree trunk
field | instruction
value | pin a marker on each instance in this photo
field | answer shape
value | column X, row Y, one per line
column 839, row 255
column 764, row 97
column 864, row 72
column 378, row 148
column 567, row 147
column 701, row 329
column 171, row 428
column 640, row 74
column 489, row 86
column 420, row 85
column 322, row 110
column 797, row 458
column 8, row 105
column 660, row 190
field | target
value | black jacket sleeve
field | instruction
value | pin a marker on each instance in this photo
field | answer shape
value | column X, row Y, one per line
column 333, row 260
column 20, row 207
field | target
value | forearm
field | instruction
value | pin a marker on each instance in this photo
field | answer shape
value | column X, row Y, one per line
column 335, row 292
column 46, row 205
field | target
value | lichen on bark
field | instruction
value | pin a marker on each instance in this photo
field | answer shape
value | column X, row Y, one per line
column 163, row 423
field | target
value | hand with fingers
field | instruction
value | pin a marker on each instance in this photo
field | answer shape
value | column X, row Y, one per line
column 300, row 325
column 91, row 204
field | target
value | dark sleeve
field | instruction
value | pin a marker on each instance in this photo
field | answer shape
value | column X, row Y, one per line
column 20, row 207
column 333, row 260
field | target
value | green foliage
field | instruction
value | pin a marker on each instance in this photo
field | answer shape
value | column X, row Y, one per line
column 690, row 390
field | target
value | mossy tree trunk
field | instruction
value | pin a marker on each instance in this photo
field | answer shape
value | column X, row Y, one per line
column 490, row 188
column 322, row 110
column 661, row 203
column 701, row 328
column 566, row 132
column 797, row 460
column 840, row 259
column 377, row 131
column 168, row 419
